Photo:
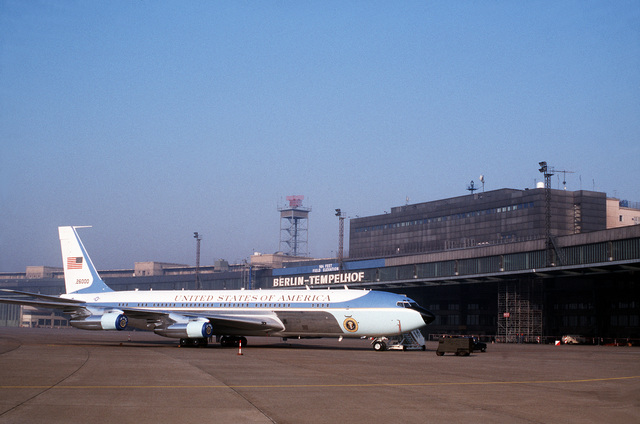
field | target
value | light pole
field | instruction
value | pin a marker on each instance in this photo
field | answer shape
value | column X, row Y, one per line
column 340, row 237
column 198, row 238
column 547, row 212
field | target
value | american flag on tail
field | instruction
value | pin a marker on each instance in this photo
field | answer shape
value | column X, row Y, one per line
column 74, row 263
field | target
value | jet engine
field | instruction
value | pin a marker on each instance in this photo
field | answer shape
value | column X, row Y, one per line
column 190, row 330
column 112, row 320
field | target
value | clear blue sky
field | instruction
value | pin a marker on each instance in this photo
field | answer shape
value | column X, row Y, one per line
column 153, row 119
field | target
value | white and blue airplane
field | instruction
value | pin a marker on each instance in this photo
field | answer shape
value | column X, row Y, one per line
column 194, row 316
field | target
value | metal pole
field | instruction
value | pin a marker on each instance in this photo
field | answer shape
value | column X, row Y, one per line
column 547, row 213
column 198, row 238
column 340, row 237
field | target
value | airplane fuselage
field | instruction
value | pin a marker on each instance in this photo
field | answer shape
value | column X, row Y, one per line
column 290, row 313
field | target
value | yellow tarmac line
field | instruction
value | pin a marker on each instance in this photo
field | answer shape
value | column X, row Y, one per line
column 295, row 386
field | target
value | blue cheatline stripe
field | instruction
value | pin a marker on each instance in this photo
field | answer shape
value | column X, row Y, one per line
column 370, row 299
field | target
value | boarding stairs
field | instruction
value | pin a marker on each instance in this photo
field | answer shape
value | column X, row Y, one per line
column 407, row 341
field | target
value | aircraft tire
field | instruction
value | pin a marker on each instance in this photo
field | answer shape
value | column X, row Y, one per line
column 379, row 346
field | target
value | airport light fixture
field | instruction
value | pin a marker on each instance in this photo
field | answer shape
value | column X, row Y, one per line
column 543, row 167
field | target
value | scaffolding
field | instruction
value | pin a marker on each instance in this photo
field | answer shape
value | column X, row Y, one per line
column 247, row 283
column 294, row 227
column 520, row 312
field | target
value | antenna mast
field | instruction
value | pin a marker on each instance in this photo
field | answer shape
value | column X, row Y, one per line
column 564, row 176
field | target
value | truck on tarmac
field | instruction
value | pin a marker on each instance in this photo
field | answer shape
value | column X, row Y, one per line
column 460, row 346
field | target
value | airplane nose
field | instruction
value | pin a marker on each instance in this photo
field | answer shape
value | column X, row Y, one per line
column 427, row 316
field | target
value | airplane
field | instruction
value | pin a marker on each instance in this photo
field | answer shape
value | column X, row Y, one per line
column 195, row 316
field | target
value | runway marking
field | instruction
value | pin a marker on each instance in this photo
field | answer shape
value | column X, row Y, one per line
column 296, row 386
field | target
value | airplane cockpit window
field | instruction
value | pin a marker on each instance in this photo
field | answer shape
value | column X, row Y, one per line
column 403, row 303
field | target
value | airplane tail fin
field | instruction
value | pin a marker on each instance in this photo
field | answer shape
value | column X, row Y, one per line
column 80, row 276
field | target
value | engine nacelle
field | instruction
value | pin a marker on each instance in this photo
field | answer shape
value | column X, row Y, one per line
column 190, row 330
column 114, row 320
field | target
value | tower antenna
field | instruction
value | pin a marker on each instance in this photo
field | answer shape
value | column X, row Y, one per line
column 564, row 176
column 294, row 227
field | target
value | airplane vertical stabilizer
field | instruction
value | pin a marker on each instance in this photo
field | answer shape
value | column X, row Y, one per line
column 80, row 276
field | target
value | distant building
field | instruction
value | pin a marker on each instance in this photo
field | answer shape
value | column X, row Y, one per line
column 621, row 213
column 43, row 271
column 274, row 260
column 146, row 269
column 493, row 217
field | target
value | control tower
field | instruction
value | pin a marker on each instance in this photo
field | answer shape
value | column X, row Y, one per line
column 294, row 227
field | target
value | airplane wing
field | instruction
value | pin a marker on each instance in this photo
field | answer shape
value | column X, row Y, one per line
column 233, row 324
column 42, row 301
column 45, row 297
column 227, row 323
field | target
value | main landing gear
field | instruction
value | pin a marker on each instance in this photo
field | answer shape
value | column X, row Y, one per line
column 201, row 342
column 232, row 341
column 225, row 341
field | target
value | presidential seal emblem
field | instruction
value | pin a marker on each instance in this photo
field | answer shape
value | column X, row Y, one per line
column 351, row 325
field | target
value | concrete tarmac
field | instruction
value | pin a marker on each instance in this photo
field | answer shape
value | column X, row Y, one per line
column 76, row 376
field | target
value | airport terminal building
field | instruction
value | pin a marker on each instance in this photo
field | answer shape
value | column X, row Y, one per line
column 482, row 263
column 494, row 217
